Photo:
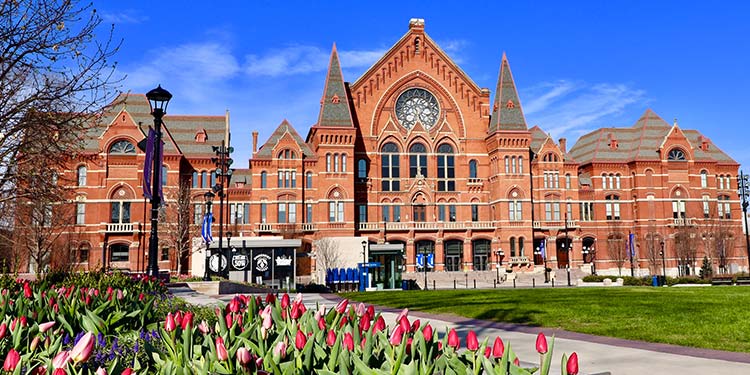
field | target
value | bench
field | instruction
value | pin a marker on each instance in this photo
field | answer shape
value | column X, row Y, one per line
column 721, row 281
column 743, row 281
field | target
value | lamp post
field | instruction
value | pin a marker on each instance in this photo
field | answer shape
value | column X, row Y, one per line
column 158, row 99
column 631, row 247
column 208, row 197
column 498, row 253
column 744, row 193
column 567, row 248
column 224, row 175
column 663, row 261
column 365, row 275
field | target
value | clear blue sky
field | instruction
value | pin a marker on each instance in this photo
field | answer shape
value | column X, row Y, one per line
column 578, row 65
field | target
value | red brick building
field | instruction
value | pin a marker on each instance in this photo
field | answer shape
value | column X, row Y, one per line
column 416, row 155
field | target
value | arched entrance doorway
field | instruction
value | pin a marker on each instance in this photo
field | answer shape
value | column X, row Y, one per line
column 563, row 252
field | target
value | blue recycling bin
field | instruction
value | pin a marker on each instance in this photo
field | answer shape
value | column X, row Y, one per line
column 404, row 284
column 654, row 280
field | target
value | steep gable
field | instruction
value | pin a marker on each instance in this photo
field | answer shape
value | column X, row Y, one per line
column 506, row 109
column 334, row 106
column 284, row 129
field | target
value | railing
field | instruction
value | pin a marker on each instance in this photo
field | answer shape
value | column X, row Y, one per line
column 482, row 225
column 519, row 260
column 558, row 224
column 454, row 225
column 475, row 181
column 682, row 221
column 265, row 227
column 309, row 227
column 572, row 223
column 121, row 227
column 369, row 226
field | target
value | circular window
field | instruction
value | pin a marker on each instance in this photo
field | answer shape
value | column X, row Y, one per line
column 676, row 154
column 417, row 105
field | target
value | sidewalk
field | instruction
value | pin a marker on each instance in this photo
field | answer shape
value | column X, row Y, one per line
column 597, row 354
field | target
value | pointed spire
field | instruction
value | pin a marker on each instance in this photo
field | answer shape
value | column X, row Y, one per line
column 334, row 106
column 649, row 119
column 506, row 110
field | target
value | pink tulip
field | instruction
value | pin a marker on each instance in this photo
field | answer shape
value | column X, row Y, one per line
column 348, row 341
column 363, row 342
column 415, row 325
column 11, row 360
column 44, row 327
column 234, row 305
column 3, row 330
column 82, row 351
column 516, row 361
column 169, row 324
column 300, row 340
column 471, row 341
column 361, row 309
column 203, row 327
column 404, row 324
column 453, row 340
column 427, row 332
column 178, row 318
column 341, row 306
column 284, row 301
column 404, row 312
column 498, row 348
column 244, row 356
column 541, row 343
column 61, row 371
column 34, row 343
column 119, row 294
column 331, row 338
column 280, row 349
column 101, row 371
column 61, row 359
column 396, row 336
column 221, row 350
column 321, row 323
column 487, row 352
column 572, row 365
column 364, row 323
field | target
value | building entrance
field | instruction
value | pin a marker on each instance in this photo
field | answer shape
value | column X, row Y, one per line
column 391, row 259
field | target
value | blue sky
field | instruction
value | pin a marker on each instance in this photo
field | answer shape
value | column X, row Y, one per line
column 578, row 65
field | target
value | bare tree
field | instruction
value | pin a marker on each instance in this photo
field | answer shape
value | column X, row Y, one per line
column 616, row 248
column 327, row 255
column 718, row 242
column 56, row 75
column 179, row 223
column 652, row 245
column 686, row 247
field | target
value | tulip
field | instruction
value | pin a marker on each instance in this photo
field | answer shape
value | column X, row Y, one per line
column 363, row 342
column 471, row 341
column 541, row 343
column 61, row 359
column 371, row 310
column 344, row 321
column 266, row 311
column 296, row 311
column 119, row 294
column 298, row 298
column 270, row 298
column 178, row 318
column 321, row 323
column 396, row 336
column 187, row 320
column 244, row 356
column 221, row 350
column 361, row 309
column 259, row 363
column 572, row 365
column 300, row 340
column 127, row 371
column 379, row 325
column 516, row 362
column 27, row 290
column 453, row 339
column 44, row 327
column 23, row 321
column 61, row 371
column 3, row 330
column 415, row 325
column 348, row 341
column 331, row 338
column 284, row 301
column 427, row 332
column 228, row 319
column 41, row 370
column 487, row 352
column 404, row 324
column 141, row 296
column 404, row 312
column 83, row 349
column 169, row 324
column 364, row 323
column 34, row 343
column 498, row 348
column 267, row 322
column 341, row 306
column 11, row 360
column 101, row 371
column 234, row 305
column 280, row 349
column 203, row 327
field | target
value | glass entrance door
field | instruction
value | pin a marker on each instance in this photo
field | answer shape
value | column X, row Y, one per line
column 388, row 275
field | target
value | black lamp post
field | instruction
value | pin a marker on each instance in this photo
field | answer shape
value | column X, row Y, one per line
column 744, row 193
column 208, row 197
column 498, row 253
column 631, row 248
column 224, row 175
column 663, row 262
column 158, row 99
column 365, row 276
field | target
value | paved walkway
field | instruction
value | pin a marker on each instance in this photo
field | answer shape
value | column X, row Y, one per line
column 597, row 354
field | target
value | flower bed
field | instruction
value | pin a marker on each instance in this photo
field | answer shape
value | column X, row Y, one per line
column 61, row 328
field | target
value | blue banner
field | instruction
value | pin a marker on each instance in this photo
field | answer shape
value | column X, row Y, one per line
column 631, row 244
column 431, row 260
column 206, row 228
column 148, row 163
column 420, row 260
column 542, row 248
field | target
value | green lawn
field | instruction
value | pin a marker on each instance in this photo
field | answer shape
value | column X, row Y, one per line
column 706, row 317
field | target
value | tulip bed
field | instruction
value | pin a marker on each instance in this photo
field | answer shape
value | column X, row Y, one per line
column 114, row 324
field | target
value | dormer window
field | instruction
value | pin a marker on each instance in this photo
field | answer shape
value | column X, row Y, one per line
column 676, row 155
column 122, row 147
column 201, row 136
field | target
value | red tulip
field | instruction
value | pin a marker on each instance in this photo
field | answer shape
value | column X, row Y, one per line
column 82, row 351
column 364, row 323
column 341, row 306
column 415, row 325
column 23, row 322
column 453, row 339
column 516, row 362
column 170, row 324
column 321, row 323
column 127, row 371
column 228, row 319
column 331, row 338
column 572, row 365
column 487, row 352
column 221, row 350
column 379, row 325
column 404, row 324
column 141, row 296
column 541, row 343
column 427, row 332
column 234, row 305
column 471, row 341
column 11, row 360
column 363, row 342
column 371, row 310
column 41, row 370
column 498, row 348
column 61, row 359
column 187, row 320
column 284, row 301
column 396, row 336
column 348, row 341
column 300, row 340
column 3, row 330
column 344, row 321
column 27, row 290
column 244, row 356
column 270, row 298
column 61, row 371
column 178, row 318
column 296, row 312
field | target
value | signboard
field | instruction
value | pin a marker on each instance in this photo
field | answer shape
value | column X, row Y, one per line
column 430, row 260
column 370, row 265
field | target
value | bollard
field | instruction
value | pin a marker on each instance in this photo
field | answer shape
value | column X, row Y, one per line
column 514, row 283
column 467, row 280
column 454, row 283
column 475, row 283
column 553, row 283
column 533, row 283
column 433, row 284
column 494, row 284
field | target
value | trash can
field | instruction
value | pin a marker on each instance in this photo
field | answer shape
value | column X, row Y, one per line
column 654, row 280
column 405, row 285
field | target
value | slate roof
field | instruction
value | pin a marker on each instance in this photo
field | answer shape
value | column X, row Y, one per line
column 266, row 151
column 640, row 142
column 506, row 109
column 334, row 106
column 243, row 175
column 539, row 137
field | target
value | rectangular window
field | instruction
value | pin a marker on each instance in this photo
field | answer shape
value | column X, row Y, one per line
column 706, row 211
column 616, row 210
column 507, row 165
column 608, row 209
column 474, row 212
column 81, row 213
column 362, row 214
column 546, row 177
column 263, row 212
column 165, row 254
column 309, row 213
column 397, row 214
column 292, row 211
column 280, row 183
column 332, row 212
column 294, row 179
column 309, row 180
column 233, row 214
column 512, row 211
column 386, row 213
column 441, row 212
column 569, row 211
column 557, row 180
column 513, row 164
column 246, row 214
column 556, row 207
column 548, row 211
column 328, row 162
column 452, row 212
column 343, row 162
column 281, row 213
column 340, row 212
column 519, row 213
column 197, row 213
column 336, row 162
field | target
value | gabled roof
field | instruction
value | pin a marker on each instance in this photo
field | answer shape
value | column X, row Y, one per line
column 642, row 141
column 334, row 106
column 266, row 151
column 539, row 138
column 506, row 109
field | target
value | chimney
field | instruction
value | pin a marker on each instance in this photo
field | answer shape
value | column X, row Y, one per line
column 563, row 145
column 255, row 142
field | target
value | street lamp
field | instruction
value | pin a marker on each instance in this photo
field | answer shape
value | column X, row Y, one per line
column 744, row 193
column 208, row 197
column 224, row 176
column 498, row 254
column 663, row 262
column 158, row 99
column 365, row 276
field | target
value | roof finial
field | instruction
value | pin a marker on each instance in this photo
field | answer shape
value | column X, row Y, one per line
column 675, row 121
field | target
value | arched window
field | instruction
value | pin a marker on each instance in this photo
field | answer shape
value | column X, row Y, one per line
column 335, row 162
column 520, row 246
column 676, row 154
column 481, row 249
column 204, row 179
column 213, row 178
column 343, row 162
column 520, row 165
column 328, row 162
column 446, row 172
column 309, row 180
column 417, row 160
column 390, row 167
column 195, row 179
column 362, row 169
column 512, row 246
column 507, row 164
column 453, row 255
column 472, row 168
column 426, row 248
column 263, row 179
column 122, row 147
column 617, row 181
column 704, row 179
column 82, row 175
column 513, row 167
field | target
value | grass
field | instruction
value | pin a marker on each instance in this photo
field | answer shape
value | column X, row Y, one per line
column 713, row 317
